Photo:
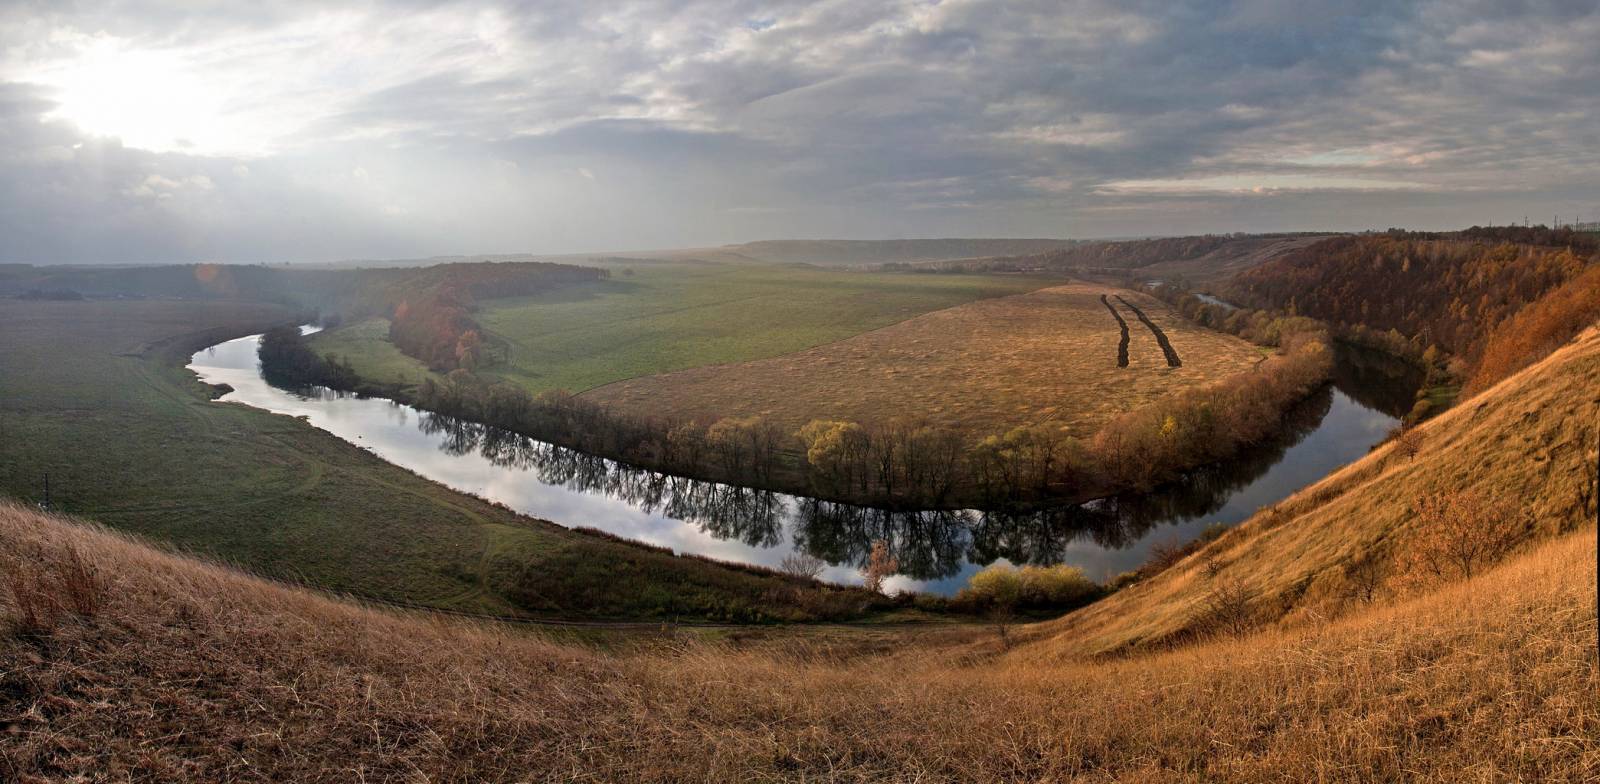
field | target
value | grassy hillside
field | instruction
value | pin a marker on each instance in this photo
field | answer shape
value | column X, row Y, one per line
column 666, row 317
column 124, row 663
column 95, row 395
column 1528, row 441
column 981, row 368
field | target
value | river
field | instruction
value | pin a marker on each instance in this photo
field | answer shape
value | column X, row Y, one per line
column 937, row 550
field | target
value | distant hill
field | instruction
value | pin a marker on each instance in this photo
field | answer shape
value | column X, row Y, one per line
column 856, row 253
column 1198, row 259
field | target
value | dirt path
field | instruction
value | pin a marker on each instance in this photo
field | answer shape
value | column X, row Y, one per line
column 1122, row 347
column 1161, row 337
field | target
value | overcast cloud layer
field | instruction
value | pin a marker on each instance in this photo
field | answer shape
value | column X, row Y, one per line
column 147, row 131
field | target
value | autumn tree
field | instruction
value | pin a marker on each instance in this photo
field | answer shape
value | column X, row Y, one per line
column 880, row 566
column 1364, row 576
column 1409, row 443
column 837, row 453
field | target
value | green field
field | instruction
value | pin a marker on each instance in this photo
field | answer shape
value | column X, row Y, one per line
column 95, row 395
column 666, row 317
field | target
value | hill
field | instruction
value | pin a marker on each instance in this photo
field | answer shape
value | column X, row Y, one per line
column 174, row 670
column 860, row 253
column 1449, row 290
column 1205, row 259
column 1529, row 440
column 128, row 662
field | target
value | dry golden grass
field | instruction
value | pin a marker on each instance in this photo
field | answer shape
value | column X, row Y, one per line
column 1529, row 440
column 983, row 367
column 190, row 672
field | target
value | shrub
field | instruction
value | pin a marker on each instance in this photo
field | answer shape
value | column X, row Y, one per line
column 1122, row 581
column 1003, row 587
column 1056, row 586
column 1459, row 533
column 999, row 585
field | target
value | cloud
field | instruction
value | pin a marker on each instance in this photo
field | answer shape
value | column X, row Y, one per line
column 839, row 118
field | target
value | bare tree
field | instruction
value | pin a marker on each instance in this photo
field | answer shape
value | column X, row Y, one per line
column 803, row 565
column 1227, row 607
column 1461, row 531
column 1364, row 576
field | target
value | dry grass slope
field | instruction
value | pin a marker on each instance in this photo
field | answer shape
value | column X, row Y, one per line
column 984, row 367
column 1529, row 439
column 190, row 672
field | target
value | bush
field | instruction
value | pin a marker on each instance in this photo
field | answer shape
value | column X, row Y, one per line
column 1056, row 586
column 1037, row 587
column 998, row 584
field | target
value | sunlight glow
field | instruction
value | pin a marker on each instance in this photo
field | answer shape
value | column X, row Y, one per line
column 151, row 100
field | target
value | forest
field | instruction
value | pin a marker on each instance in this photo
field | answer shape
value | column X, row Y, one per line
column 1449, row 291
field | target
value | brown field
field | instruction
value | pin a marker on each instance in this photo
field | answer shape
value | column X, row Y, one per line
column 983, row 367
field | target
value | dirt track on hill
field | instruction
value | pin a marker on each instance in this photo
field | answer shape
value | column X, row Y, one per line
column 1161, row 337
column 983, row 368
column 1122, row 324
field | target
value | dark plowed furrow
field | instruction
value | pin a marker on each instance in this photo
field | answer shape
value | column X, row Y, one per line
column 1161, row 337
column 1122, row 347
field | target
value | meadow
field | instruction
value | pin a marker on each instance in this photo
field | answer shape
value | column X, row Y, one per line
column 650, row 318
column 1048, row 356
column 95, row 395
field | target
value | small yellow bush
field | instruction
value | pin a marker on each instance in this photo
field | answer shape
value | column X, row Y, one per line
column 1035, row 586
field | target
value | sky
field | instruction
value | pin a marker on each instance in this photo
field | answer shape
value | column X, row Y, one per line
column 139, row 132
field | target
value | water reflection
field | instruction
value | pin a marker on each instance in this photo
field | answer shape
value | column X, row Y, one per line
column 930, row 544
column 937, row 549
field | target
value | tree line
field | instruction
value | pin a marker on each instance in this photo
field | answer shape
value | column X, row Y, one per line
column 286, row 360
column 1468, row 308
column 1445, row 292
column 430, row 313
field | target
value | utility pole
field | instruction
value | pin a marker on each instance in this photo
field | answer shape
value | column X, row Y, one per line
column 46, row 503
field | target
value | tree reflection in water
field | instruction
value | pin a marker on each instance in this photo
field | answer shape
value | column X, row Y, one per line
column 930, row 544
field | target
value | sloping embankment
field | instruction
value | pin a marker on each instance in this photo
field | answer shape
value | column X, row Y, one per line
column 1530, row 439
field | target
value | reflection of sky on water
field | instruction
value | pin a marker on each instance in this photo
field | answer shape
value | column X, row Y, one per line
column 398, row 434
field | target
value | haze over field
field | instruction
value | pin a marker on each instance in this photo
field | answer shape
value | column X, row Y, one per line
column 155, row 132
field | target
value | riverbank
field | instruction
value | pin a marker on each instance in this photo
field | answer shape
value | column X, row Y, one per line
column 95, row 395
